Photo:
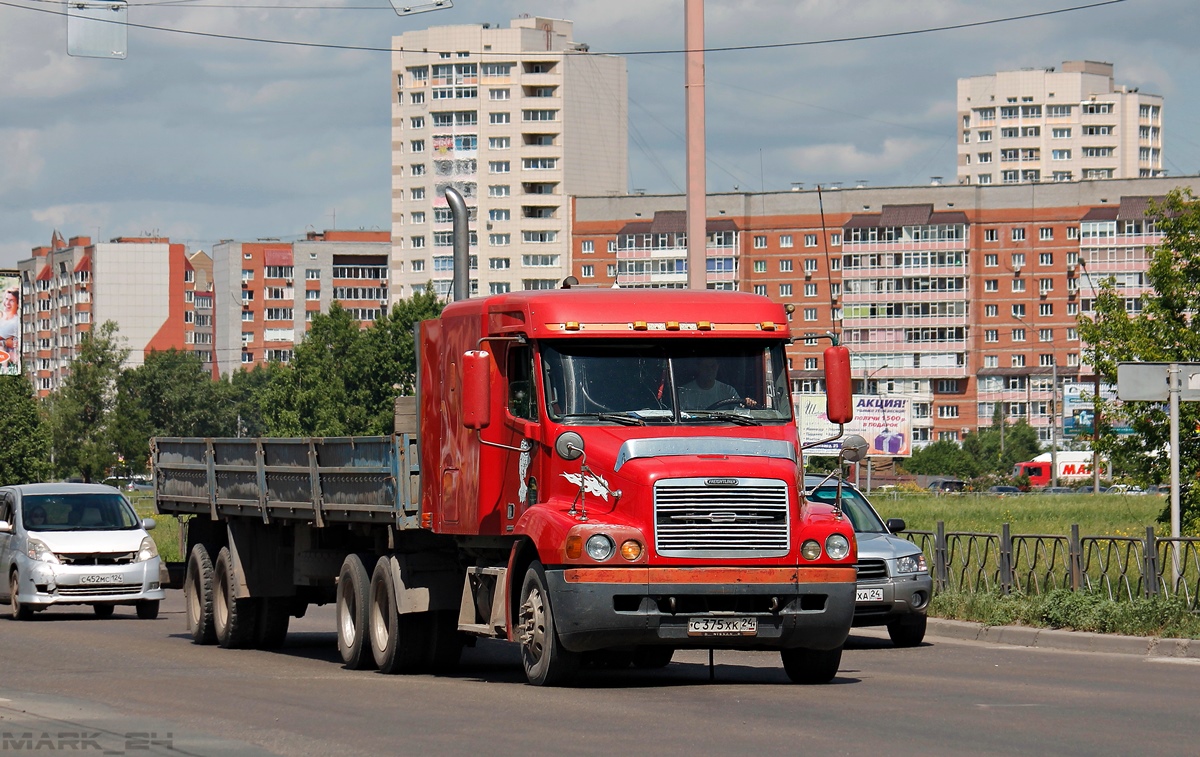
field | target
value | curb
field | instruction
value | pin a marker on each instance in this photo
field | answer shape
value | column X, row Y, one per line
column 1071, row 641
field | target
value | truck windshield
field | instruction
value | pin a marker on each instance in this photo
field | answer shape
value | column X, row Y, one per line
column 668, row 381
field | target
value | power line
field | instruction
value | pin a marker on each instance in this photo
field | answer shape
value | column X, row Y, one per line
column 733, row 48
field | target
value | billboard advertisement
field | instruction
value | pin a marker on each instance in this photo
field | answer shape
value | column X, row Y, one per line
column 884, row 421
column 10, row 326
column 1078, row 408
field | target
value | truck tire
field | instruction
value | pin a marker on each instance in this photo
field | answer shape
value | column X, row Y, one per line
column 198, row 596
column 353, row 614
column 271, row 626
column 546, row 661
column 811, row 666
column 907, row 632
column 399, row 643
column 233, row 619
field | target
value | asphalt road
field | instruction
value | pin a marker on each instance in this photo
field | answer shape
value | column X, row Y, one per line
column 72, row 683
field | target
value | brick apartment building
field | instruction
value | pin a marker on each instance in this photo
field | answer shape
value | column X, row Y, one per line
column 963, row 298
column 146, row 285
column 267, row 291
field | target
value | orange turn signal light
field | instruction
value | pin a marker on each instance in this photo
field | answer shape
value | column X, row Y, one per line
column 631, row 550
column 574, row 548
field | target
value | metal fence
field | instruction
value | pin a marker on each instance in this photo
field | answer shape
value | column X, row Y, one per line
column 1122, row 567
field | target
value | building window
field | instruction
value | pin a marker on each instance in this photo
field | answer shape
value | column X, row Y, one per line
column 499, row 94
column 417, row 193
column 588, row 271
column 587, row 246
column 499, row 118
column 1018, row 235
column 990, row 311
column 991, row 285
column 499, row 240
column 1018, row 285
column 1045, row 309
column 1018, row 311
column 760, row 241
column 947, row 411
column 785, row 266
column 499, row 190
column 785, row 290
column 810, row 314
column 810, row 290
column 785, row 240
column 760, row 289
column 1018, row 335
column 1018, row 361
column 498, row 166
column 810, row 240
column 499, row 143
column 418, row 266
column 760, row 266
column 1072, row 232
column 991, row 235
column 991, row 260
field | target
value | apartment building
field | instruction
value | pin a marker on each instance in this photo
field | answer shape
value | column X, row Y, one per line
column 145, row 285
column 516, row 119
column 964, row 299
column 1047, row 125
column 267, row 291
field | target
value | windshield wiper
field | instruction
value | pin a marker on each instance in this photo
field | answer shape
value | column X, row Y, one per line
column 721, row 415
column 623, row 419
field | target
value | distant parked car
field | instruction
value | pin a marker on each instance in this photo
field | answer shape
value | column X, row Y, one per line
column 947, row 485
column 1124, row 489
column 1089, row 489
column 1058, row 490
column 1004, row 491
column 894, row 585
column 76, row 544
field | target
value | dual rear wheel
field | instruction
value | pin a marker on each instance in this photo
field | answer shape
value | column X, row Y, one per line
column 216, row 615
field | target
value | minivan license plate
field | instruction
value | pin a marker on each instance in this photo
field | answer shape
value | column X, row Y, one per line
column 722, row 626
column 104, row 578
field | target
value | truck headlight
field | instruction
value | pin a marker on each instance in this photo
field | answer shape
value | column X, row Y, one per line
column 599, row 547
column 147, row 550
column 37, row 550
column 837, row 547
column 911, row 564
column 811, row 550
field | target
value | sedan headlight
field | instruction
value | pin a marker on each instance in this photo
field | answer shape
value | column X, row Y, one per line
column 37, row 550
column 147, row 550
column 911, row 564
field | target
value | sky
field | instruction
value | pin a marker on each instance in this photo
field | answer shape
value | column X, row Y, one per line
column 202, row 138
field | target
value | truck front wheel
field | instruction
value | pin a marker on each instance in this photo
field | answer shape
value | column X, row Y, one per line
column 809, row 666
column 233, row 618
column 198, row 596
column 546, row 661
column 399, row 643
column 353, row 614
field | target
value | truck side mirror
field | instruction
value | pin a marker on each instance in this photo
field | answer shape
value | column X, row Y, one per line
column 476, row 389
column 839, row 395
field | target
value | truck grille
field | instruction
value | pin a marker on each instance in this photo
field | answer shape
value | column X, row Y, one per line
column 726, row 517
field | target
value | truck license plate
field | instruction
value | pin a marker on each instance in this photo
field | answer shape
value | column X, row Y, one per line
column 104, row 578
column 868, row 595
column 722, row 626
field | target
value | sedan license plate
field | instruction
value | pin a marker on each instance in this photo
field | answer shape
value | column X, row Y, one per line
column 868, row 595
column 102, row 578
column 722, row 626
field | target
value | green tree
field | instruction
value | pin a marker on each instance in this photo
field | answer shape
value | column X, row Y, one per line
column 387, row 359
column 943, row 458
column 25, row 453
column 168, row 395
column 1165, row 330
column 81, row 412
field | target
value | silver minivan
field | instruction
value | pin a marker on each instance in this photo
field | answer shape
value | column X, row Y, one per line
column 894, row 585
column 76, row 544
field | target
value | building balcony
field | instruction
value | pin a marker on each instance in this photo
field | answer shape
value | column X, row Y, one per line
column 892, row 272
column 903, row 245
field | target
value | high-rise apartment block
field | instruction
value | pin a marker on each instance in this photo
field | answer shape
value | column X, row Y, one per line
column 518, row 120
column 147, row 286
column 268, row 290
column 965, row 300
column 1041, row 125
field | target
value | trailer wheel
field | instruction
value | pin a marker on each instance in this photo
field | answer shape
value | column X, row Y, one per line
column 399, row 643
column 233, row 619
column 546, row 661
column 811, row 666
column 353, row 614
column 271, row 626
column 198, row 596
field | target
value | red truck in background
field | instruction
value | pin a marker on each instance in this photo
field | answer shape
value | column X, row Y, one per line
column 1073, row 468
column 605, row 475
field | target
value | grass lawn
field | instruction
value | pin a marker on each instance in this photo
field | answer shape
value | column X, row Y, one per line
column 1096, row 515
column 166, row 533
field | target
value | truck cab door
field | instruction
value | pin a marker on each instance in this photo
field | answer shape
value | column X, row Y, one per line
column 522, row 413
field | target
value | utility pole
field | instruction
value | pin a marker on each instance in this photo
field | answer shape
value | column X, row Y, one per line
column 697, row 192
column 1054, row 421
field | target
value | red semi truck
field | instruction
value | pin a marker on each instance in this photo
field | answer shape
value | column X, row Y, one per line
column 603, row 475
